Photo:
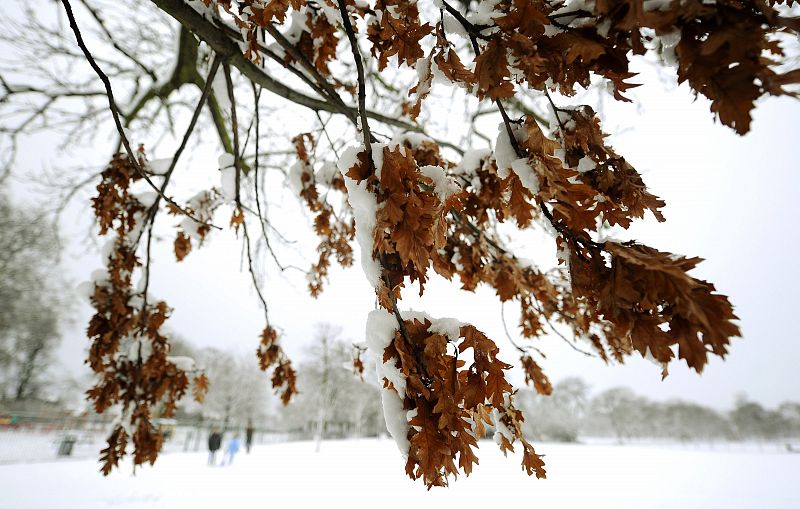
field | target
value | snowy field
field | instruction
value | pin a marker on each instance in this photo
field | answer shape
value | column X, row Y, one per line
column 369, row 473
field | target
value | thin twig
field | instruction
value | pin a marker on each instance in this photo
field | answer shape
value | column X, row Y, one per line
column 261, row 219
column 474, row 34
column 505, row 328
column 143, row 313
column 474, row 31
column 253, row 274
column 362, row 89
column 362, row 110
column 555, row 111
column 203, row 97
column 151, row 214
column 558, row 333
column 566, row 231
column 325, row 131
column 153, row 211
column 101, row 22
column 237, row 165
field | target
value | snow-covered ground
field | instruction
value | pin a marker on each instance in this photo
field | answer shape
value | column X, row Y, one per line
column 369, row 473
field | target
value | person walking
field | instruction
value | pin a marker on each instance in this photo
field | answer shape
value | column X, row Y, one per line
column 233, row 447
column 214, row 443
column 248, row 436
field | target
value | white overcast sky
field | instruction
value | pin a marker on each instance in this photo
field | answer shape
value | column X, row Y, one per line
column 730, row 200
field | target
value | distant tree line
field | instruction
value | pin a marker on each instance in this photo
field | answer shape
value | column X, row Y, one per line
column 333, row 401
column 572, row 413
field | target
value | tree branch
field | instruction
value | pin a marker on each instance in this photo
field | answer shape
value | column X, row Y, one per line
column 362, row 86
column 96, row 15
column 222, row 44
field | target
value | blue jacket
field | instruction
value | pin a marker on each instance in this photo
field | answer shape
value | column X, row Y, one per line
column 233, row 445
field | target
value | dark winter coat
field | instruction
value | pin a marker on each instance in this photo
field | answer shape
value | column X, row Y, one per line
column 214, row 441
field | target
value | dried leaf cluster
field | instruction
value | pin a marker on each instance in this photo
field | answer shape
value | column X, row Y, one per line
column 129, row 350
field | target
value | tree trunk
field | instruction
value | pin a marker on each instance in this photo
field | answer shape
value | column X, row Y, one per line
column 26, row 372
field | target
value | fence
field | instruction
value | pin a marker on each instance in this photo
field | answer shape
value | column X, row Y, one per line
column 27, row 438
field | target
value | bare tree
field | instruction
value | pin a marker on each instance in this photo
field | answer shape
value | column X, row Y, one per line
column 333, row 401
column 31, row 300
column 325, row 385
column 237, row 392
column 621, row 409
column 560, row 415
